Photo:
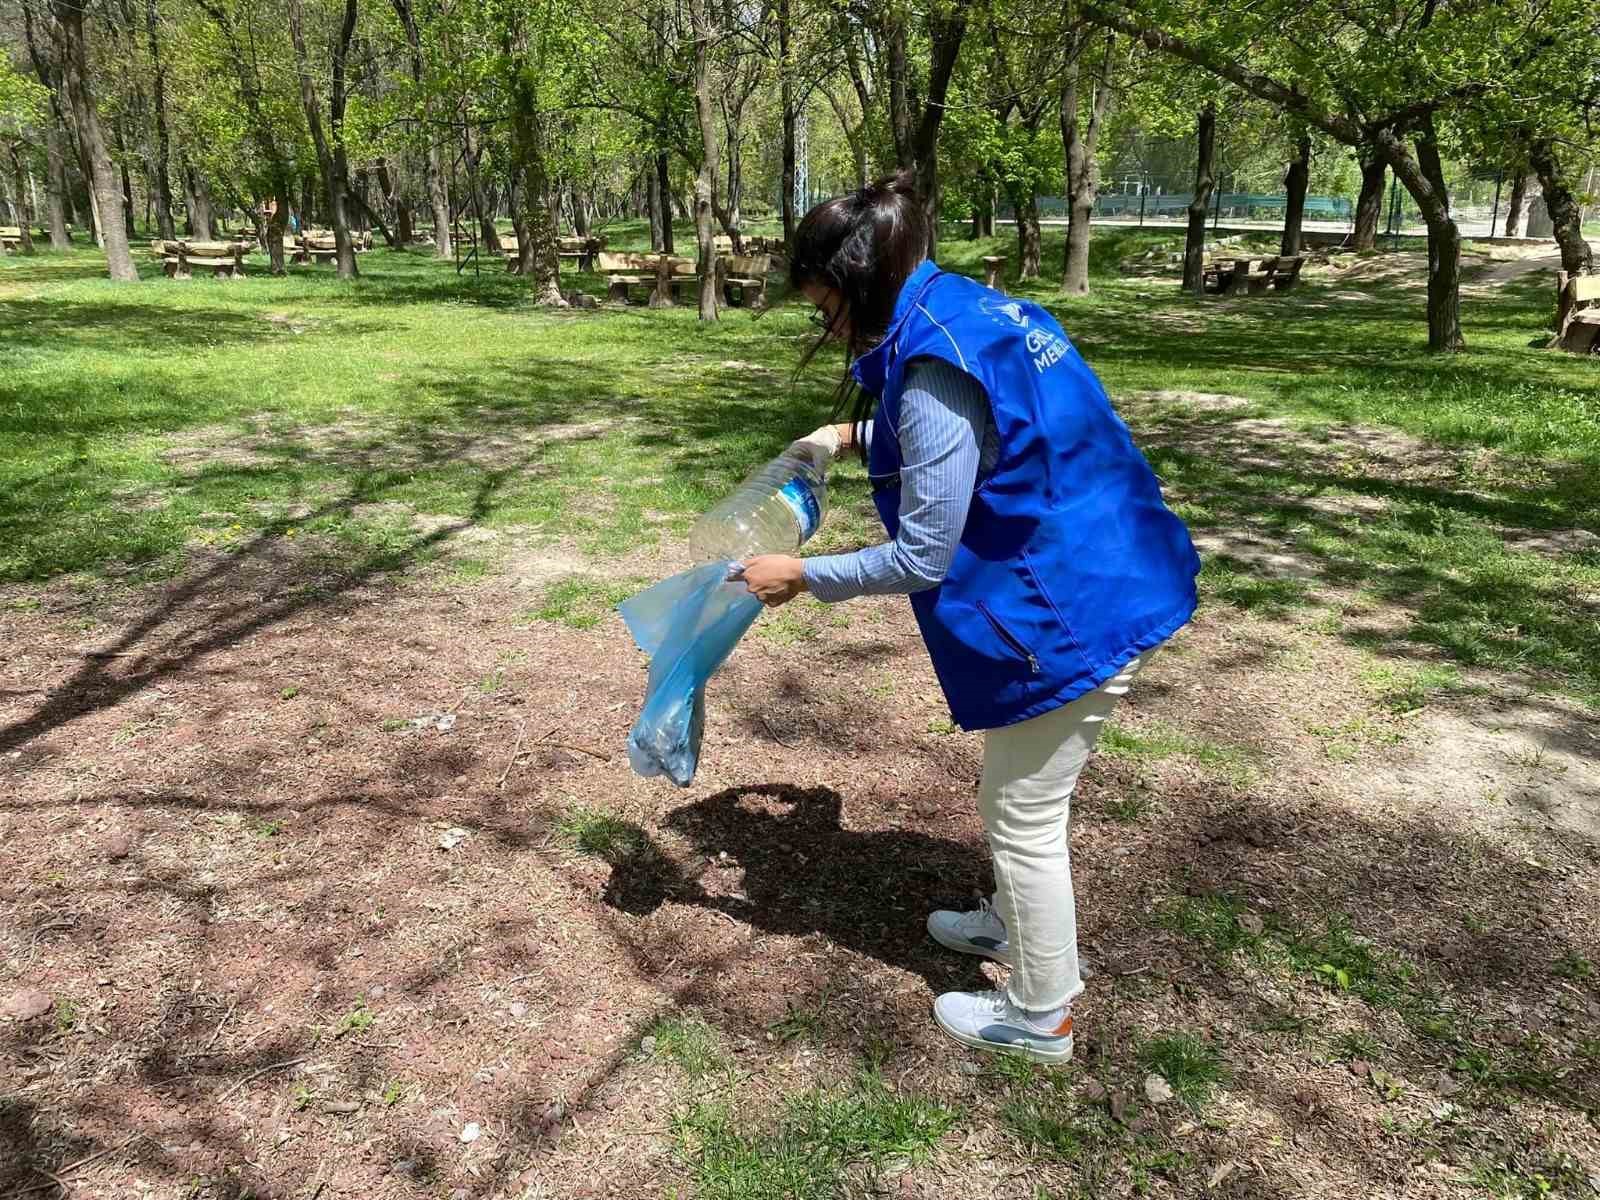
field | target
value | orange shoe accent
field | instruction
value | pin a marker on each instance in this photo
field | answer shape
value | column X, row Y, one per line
column 1064, row 1029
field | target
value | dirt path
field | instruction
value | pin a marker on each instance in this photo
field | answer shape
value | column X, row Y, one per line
column 299, row 936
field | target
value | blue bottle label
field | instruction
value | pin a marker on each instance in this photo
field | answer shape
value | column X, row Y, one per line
column 802, row 501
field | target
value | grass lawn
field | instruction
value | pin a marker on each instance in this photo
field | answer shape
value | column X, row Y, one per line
column 334, row 879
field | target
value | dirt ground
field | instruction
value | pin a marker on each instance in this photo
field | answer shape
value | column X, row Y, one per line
column 288, row 910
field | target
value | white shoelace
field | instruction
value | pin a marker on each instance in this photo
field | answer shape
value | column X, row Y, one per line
column 997, row 1004
column 983, row 917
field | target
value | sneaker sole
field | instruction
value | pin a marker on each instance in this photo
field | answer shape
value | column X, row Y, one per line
column 1059, row 1052
column 959, row 947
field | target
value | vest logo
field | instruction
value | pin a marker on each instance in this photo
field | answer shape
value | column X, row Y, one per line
column 1047, row 349
column 1014, row 311
column 1010, row 309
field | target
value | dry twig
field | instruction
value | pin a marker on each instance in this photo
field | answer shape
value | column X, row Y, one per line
column 259, row 1071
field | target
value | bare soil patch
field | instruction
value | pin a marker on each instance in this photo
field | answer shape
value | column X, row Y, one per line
column 301, row 934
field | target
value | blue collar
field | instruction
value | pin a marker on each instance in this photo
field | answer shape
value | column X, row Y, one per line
column 872, row 368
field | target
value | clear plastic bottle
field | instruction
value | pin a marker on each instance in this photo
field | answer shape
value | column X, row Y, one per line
column 775, row 511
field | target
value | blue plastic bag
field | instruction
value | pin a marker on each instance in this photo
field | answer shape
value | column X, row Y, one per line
column 688, row 625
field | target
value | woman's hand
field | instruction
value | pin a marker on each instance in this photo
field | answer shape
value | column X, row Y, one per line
column 774, row 579
column 820, row 445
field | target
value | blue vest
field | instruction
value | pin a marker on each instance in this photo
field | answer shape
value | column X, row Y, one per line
column 1070, row 565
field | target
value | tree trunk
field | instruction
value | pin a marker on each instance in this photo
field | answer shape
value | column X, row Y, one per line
column 1083, row 168
column 330, row 159
column 1423, row 177
column 22, row 203
column 438, row 194
column 538, row 245
column 55, row 189
column 1369, row 204
column 729, row 217
column 663, row 195
column 1517, row 209
column 656, row 204
column 386, row 186
column 196, row 199
column 486, row 232
column 74, row 59
column 58, row 197
column 358, row 197
column 1025, row 206
column 127, row 198
column 786, row 176
column 163, row 157
column 404, row 209
column 1566, row 216
column 1194, row 245
column 891, row 37
column 580, row 213
column 946, row 35
column 705, row 182
column 1296, row 180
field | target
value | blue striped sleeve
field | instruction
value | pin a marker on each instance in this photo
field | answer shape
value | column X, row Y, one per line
column 946, row 433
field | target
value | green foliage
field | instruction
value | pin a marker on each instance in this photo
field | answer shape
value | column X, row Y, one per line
column 602, row 834
column 689, row 1042
column 820, row 1135
column 1191, row 1065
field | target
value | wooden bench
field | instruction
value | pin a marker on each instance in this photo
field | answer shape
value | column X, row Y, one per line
column 745, row 274
column 581, row 250
column 180, row 259
column 1284, row 275
column 11, row 237
column 994, row 266
column 1577, row 314
column 660, row 273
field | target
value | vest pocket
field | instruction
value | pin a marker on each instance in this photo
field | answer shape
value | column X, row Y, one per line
column 1010, row 638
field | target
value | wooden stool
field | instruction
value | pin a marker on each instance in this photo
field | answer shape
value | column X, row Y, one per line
column 993, row 265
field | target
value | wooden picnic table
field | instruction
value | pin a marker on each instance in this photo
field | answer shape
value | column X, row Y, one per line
column 1254, row 276
column 1577, row 314
column 181, row 257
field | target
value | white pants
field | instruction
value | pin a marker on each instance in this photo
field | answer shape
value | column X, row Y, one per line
column 1025, row 799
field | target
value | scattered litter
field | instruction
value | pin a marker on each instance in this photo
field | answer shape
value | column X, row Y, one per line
column 453, row 837
column 443, row 722
column 1157, row 1090
column 1220, row 1174
column 471, row 1132
column 26, row 1004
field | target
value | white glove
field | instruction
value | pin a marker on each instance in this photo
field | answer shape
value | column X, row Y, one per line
column 820, row 445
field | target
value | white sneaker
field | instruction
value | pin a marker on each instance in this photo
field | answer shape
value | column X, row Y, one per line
column 979, row 932
column 989, row 1021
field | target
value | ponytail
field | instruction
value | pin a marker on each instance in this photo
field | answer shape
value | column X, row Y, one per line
column 864, row 245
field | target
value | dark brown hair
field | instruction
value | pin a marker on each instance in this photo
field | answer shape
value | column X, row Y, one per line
column 864, row 245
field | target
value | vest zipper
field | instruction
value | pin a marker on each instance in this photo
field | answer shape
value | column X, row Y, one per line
column 1009, row 639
